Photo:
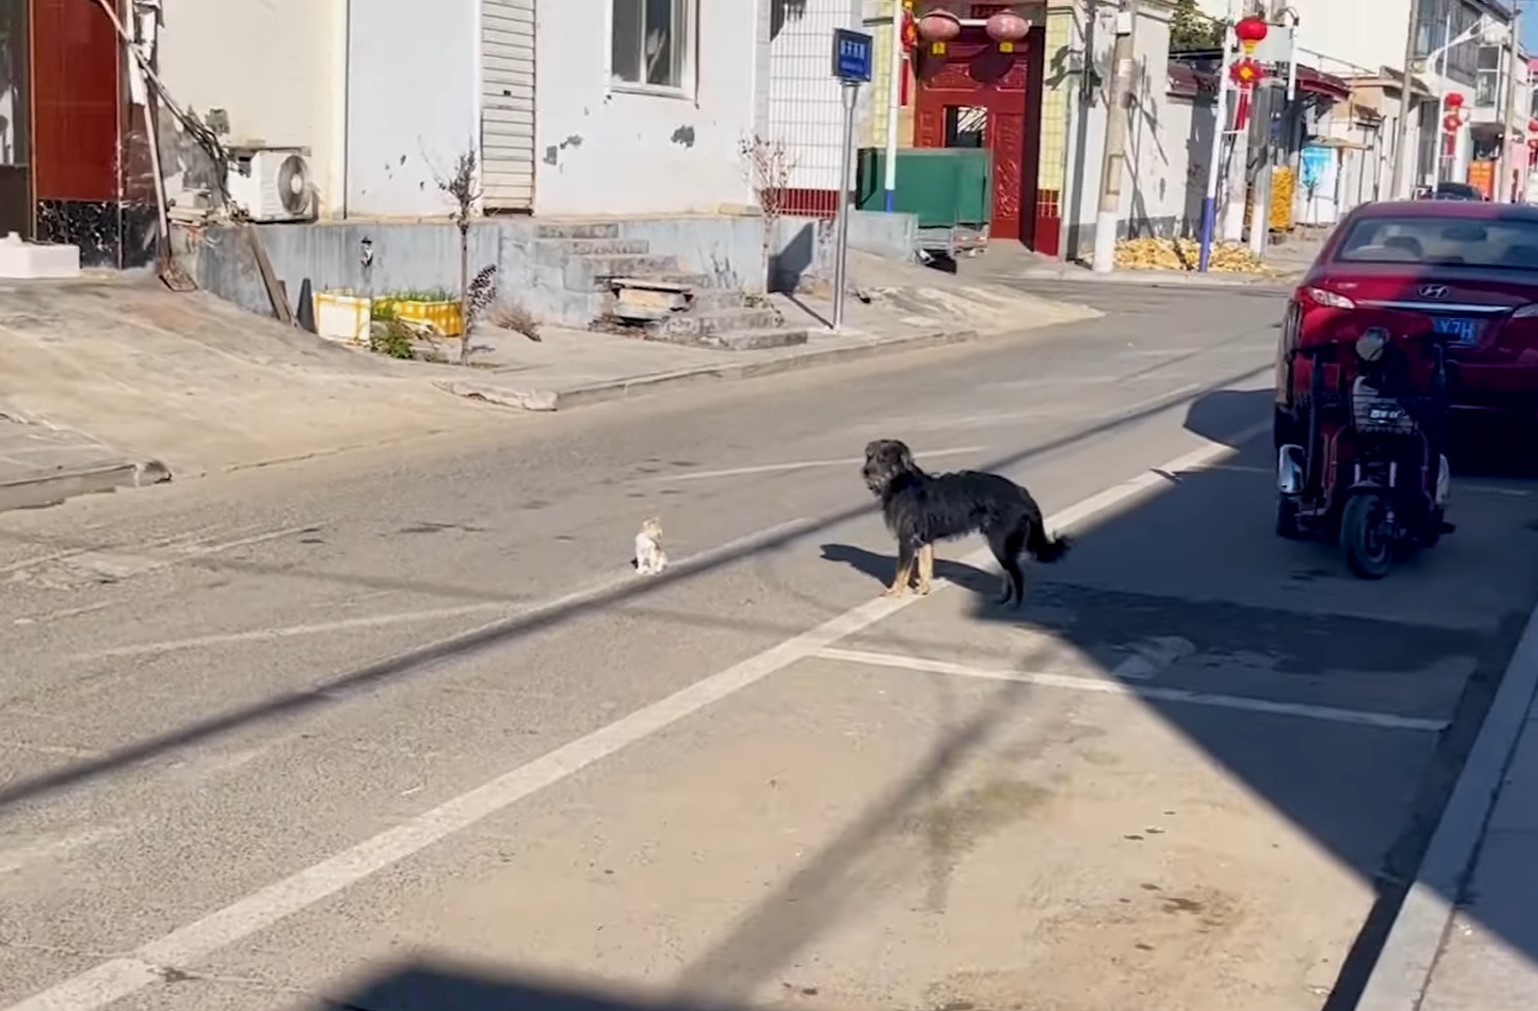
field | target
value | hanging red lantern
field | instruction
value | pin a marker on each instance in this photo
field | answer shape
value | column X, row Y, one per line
column 1454, row 100
column 910, row 30
column 939, row 26
column 1006, row 26
column 1451, row 123
column 1532, row 127
column 1251, row 32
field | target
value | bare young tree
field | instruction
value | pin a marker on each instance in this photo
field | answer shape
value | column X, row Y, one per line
column 769, row 166
column 463, row 188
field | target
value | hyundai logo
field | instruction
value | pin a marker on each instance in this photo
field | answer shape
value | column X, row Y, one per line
column 1433, row 291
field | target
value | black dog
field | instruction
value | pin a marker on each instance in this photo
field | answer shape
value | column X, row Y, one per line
column 921, row 509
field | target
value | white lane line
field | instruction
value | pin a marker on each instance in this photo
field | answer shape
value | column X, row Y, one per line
column 291, row 631
column 774, row 468
column 113, row 980
column 1475, row 489
column 506, row 609
column 1148, row 693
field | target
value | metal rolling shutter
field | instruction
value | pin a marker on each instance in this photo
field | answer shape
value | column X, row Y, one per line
column 507, row 104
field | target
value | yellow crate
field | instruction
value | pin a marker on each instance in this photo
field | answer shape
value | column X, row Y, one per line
column 444, row 317
column 341, row 316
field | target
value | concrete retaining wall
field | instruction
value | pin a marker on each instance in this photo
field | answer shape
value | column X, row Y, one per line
column 379, row 257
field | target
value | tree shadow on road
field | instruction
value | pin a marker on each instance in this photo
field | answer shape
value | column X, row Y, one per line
column 440, row 985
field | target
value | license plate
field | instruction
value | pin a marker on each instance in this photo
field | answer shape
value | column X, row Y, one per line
column 1463, row 330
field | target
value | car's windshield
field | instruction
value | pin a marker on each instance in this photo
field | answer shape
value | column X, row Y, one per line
column 1508, row 244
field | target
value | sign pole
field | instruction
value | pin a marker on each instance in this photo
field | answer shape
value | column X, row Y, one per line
column 853, row 58
column 851, row 92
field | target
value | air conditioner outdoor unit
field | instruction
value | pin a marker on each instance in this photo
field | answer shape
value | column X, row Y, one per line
column 272, row 183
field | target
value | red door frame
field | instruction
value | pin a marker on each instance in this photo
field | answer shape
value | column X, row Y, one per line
column 973, row 72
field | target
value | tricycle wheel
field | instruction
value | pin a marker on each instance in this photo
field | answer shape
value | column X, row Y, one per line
column 1287, row 518
column 1366, row 538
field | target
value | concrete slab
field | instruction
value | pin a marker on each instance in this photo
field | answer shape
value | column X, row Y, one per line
column 44, row 466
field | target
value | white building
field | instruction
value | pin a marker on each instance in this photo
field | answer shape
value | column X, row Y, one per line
column 641, row 105
column 601, row 107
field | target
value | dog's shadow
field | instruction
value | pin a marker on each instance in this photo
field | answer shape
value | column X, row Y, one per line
column 882, row 567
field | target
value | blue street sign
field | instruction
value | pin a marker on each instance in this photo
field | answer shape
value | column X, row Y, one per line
column 853, row 56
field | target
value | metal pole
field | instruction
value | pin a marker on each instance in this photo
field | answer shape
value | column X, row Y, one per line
column 894, row 104
column 1447, row 31
column 1507, row 162
column 841, row 248
column 1215, row 156
column 1260, row 213
column 1114, row 163
column 1403, row 168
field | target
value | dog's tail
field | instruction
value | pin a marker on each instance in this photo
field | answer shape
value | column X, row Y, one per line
column 1043, row 548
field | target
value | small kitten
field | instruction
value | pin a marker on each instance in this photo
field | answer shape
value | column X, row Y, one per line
column 650, row 559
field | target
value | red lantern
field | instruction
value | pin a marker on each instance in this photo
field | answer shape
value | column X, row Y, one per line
column 1451, row 123
column 1454, row 100
column 1251, row 31
column 1006, row 26
column 939, row 26
column 1532, row 127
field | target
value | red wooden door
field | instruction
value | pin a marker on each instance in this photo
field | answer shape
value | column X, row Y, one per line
column 974, row 74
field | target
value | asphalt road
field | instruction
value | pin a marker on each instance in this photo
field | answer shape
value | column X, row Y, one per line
column 402, row 730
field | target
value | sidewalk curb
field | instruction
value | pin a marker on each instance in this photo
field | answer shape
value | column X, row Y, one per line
column 53, row 487
column 535, row 399
column 1152, row 278
column 1402, row 973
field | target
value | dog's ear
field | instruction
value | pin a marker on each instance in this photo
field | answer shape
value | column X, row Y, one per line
column 904, row 455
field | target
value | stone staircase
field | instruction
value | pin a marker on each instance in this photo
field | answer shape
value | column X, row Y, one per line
column 622, row 283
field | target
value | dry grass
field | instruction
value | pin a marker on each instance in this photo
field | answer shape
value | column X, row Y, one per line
column 513, row 316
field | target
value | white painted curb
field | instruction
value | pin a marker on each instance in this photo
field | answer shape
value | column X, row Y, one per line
column 1403, row 971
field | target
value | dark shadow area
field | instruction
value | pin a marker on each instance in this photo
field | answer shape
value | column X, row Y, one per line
column 881, row 567
column 797, row 255
column 440, row 985
column 1413, row 660
column 329, row 691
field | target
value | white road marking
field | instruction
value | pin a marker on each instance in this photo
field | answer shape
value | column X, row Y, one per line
column 1458, row 486
column 774, row 468
column 116, row 979
column 291, row 631
column 506, row 609
column 1149, row 693
column 1152, row 657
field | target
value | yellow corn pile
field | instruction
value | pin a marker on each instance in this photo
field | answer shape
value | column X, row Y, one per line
column 1185, row 254
column 1282, row 188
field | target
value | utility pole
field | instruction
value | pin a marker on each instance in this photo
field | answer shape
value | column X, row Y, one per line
column 1507, row 163
column 1404, row 168
column 1215, row 155
column 1114, row 164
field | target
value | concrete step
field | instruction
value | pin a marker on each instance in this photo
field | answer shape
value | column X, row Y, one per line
column 692, row 326
column 745, row 340
column 577, row 230
column 592, row 273
column 555, row 252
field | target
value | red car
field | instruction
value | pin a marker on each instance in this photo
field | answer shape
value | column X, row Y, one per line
column 1468, row 270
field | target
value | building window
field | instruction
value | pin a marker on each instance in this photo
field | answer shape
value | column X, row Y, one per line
column 1487, row 85
column 1438, row 23
column 650, row 45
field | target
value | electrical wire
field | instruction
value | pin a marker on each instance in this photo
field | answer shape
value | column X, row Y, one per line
column 200, row 134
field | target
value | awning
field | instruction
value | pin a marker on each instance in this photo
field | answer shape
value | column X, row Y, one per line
column 1188, row 81
column 1317, row 82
